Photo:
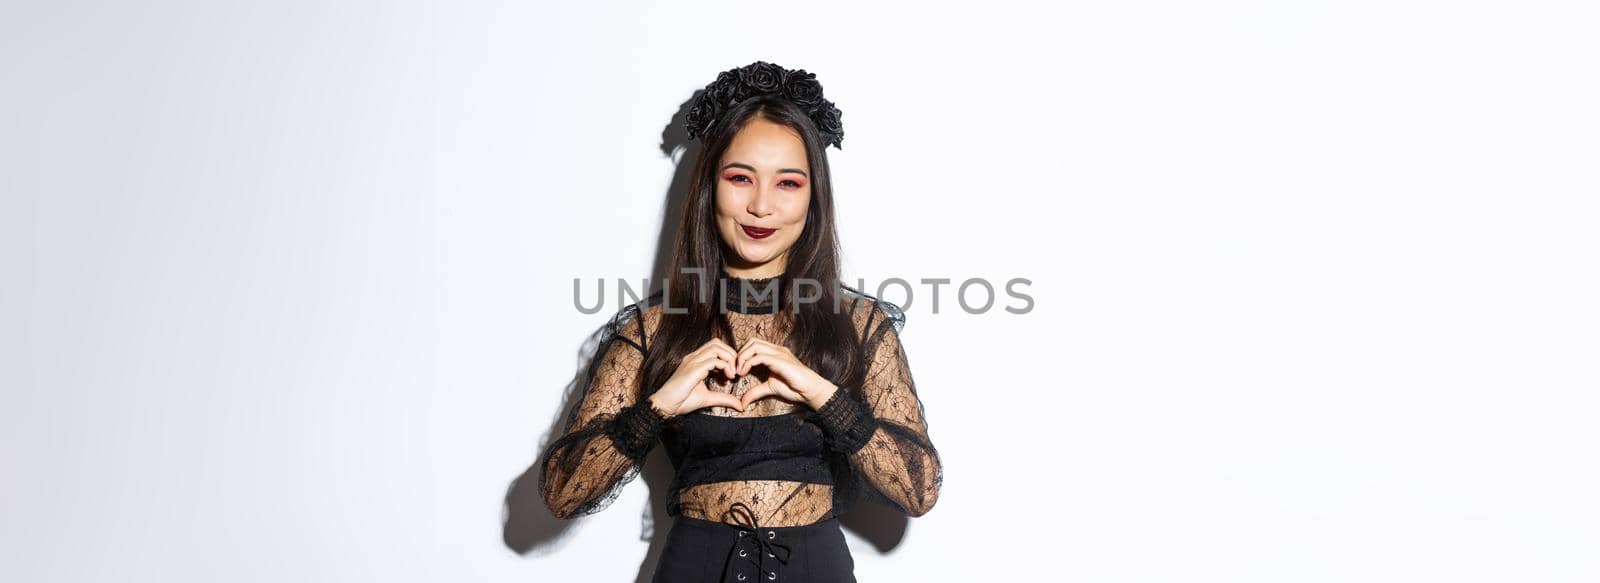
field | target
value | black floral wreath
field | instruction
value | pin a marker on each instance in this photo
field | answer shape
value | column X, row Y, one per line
column 762, row 78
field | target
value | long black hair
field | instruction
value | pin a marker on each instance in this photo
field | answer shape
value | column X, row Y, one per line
column 821, row 333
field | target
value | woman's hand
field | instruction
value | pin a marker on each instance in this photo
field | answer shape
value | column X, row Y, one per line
column 686, row 391
column 790, row 379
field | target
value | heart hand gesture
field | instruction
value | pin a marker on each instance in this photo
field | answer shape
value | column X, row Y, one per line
column 790, row 380
column 686, row 391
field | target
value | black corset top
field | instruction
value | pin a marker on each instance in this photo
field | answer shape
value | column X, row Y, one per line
column 706, row 448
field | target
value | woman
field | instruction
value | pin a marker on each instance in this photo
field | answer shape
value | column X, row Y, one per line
column 777, row 391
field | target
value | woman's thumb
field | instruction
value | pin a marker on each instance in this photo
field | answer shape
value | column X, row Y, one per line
column 756, row 393
column 726, row 400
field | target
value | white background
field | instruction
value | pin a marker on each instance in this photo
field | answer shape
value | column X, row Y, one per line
column 288, row 285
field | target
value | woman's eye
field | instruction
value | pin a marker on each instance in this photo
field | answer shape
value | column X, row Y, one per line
column 742, row 179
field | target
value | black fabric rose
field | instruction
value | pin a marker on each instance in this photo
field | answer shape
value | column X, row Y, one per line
column 700, row 116
column 826, row 116
column 727, row 91
column 762, row 78
column 803, row 89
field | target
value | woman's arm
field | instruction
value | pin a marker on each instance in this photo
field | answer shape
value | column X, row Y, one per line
column 608, row 432
column 885, row 434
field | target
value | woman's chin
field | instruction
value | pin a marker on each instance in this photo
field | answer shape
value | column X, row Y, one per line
column 748, row 262
column 750, row 258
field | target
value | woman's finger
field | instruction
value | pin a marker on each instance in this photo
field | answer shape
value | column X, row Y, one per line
column 707, row 362
column 717, row 347
column 732, row 358
column 753, row 341
column 757, row 392
column 749, row 352
column 729, row 362
column 708, row 346
column 767, row 343
column 750, row 343
column 776, row 363
column 721, row 399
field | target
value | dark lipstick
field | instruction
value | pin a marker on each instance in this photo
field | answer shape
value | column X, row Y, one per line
column 757, row 232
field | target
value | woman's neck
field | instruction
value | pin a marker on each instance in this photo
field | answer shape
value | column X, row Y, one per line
column 766, row 270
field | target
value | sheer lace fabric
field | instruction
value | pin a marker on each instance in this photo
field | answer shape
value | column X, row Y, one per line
column 874, row 435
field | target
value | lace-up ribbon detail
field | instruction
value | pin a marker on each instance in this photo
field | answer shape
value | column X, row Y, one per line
column 754, row 546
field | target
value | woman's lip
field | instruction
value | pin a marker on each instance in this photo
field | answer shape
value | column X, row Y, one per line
column 756, row 232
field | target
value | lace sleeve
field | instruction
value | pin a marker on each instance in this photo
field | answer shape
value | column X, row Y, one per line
column 608, row 431
column 881, row 427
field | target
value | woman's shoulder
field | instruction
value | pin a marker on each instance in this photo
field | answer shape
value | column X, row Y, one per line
column 637, row 322
column 645, row 316
column 871, row 313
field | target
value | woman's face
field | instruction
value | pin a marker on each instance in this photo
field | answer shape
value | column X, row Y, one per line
column 763, row 191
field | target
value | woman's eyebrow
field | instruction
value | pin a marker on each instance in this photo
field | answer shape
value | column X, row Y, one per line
column 752, row 168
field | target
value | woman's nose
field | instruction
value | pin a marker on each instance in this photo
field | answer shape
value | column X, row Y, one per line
column 761, row 203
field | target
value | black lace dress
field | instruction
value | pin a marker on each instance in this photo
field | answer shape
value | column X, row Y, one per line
column 752, row 490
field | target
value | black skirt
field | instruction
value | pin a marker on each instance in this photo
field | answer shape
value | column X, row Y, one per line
column 702, row 551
